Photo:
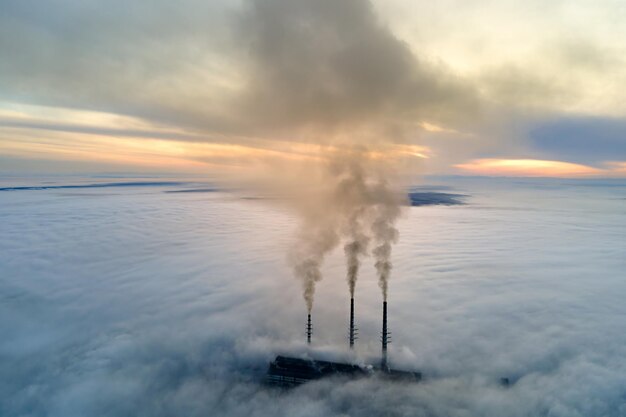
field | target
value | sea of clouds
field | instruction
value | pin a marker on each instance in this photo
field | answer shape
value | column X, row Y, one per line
column 137, row 301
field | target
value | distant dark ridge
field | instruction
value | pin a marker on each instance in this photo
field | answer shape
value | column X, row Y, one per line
column 431, row 188
column 432, row 198
column 98, row 185
column 194, row 190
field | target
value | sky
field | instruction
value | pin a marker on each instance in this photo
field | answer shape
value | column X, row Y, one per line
column 498, row 88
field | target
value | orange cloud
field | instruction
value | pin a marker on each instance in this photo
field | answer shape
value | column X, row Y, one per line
column 617, row 167
column 527, row 168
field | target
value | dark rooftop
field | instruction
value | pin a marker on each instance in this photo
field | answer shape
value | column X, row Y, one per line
column 288, row 372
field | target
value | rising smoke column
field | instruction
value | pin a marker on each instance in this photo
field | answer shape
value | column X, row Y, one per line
column 351, row 201
column 316, row 238
column 387, row 210
column 331, row 73
column 333, row 207
column 312, row 196
column 354, row 249
column 352, row 196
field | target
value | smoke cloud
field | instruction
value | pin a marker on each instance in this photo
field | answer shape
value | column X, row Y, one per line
column 316, row 238
column 354, row 249
column 335, row 67
column 387, row 212
column 333, row 74
column 354, row 196
column 351, row 199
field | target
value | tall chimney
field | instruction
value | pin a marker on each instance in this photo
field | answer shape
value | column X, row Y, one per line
column 309, row 329
column 352, row 332
column 385, row 335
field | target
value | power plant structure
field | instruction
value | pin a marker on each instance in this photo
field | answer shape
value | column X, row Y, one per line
column 309, row 329
column 352, row 334
column 385, row 337
column 287, row 371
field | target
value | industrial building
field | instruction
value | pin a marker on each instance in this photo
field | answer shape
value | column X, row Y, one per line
column 289, row 372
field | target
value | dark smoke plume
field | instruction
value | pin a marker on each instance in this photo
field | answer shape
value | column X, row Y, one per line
column 354, row 250
column 354, row 199
column 316, row 238
column 327, row 65
column 349, row 199
column 330, row 72
column 387, row 210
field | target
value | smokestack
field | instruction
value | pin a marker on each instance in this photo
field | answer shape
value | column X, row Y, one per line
column 352, row 329
column 385, row 336
column 309, row 329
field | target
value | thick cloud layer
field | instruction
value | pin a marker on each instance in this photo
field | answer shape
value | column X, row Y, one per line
column 325, row 64
column 129, row 301
column 254, row 71
column 160, row 61
column 222, row 69
column 586, row 140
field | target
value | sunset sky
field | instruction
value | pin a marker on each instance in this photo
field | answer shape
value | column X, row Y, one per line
column 502, row 88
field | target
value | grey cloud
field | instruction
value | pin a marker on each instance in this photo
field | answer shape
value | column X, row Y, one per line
column 300, row 70
column 295, row 64
column 581, row 139
column 518, row 87
column 96, row 130
column 118, row 57
column 581, row 54
column 327, row 64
